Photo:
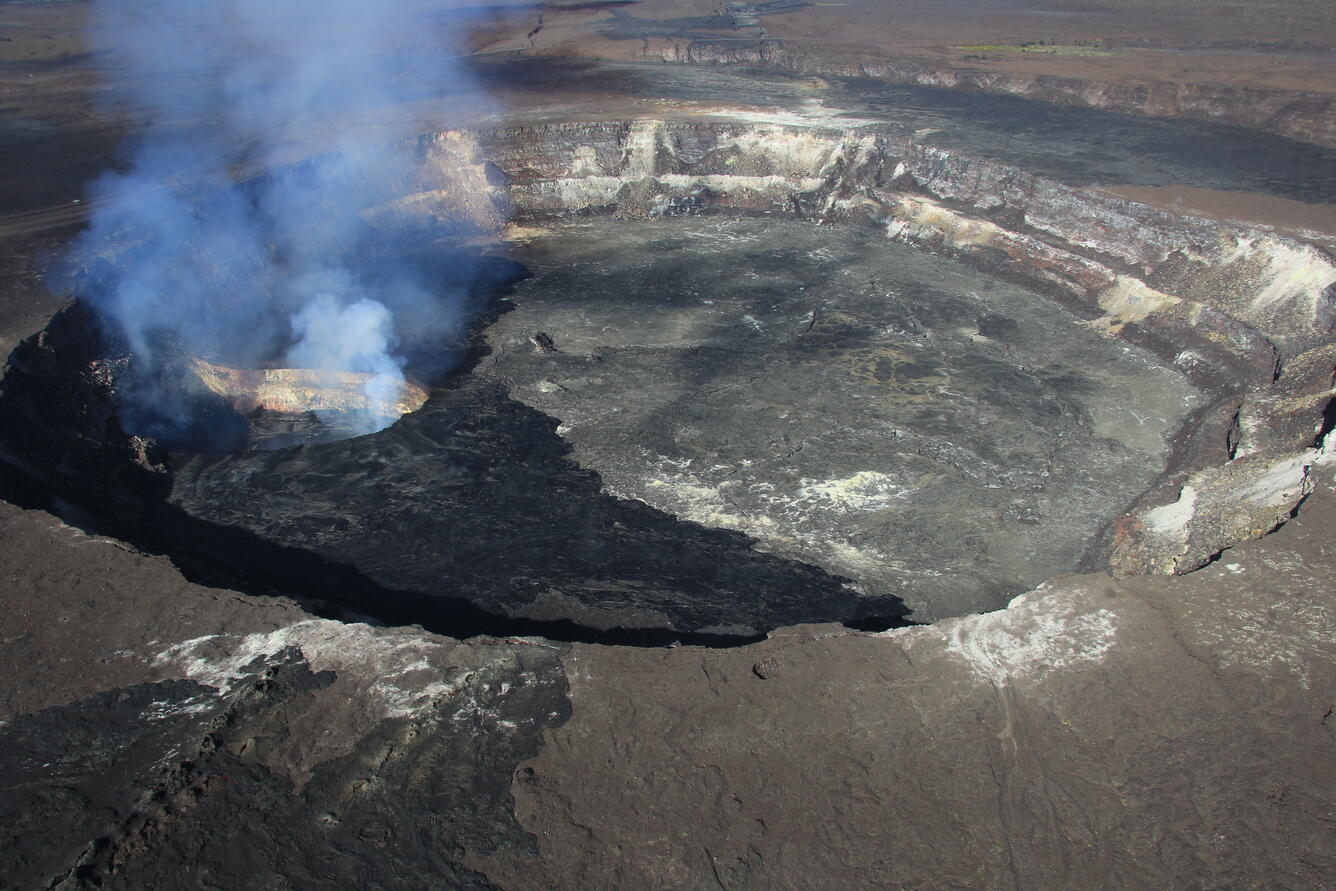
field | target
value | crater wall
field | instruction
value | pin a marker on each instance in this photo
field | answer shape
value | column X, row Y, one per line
column 1247, row 314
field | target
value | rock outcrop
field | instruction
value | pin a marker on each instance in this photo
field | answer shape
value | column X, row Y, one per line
column 237, row 739
column 1146, row 732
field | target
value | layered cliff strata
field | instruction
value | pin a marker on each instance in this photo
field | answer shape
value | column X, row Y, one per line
column 295, row 390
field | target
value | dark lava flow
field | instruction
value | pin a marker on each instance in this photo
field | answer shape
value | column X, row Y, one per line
column 108, row 750
column 508, row 535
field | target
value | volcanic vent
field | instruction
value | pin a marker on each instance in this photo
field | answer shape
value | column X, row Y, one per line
column 287, row 406
column 298, row 390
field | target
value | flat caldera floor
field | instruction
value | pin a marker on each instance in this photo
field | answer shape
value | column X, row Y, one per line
column 893, row 417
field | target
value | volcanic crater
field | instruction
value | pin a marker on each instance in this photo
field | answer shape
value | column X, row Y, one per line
column 722, row 377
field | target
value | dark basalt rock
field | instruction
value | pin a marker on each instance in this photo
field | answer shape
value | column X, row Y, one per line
column 75, row 773
column 474, row 497
column 61, row 435
column 171, row 785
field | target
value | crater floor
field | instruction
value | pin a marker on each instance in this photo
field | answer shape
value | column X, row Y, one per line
column 935, row 434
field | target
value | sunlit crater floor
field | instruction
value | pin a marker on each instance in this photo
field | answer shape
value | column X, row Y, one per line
column 896, row 418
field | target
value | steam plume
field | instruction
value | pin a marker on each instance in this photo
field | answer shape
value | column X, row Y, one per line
column 268, row 269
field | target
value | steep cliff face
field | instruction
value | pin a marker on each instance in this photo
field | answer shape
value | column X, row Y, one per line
column 1091, row 245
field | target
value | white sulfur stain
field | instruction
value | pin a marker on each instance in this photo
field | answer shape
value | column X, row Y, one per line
column 1191, row 359
column 784, row 518
column 398, row 660
column 1287, row 638
column 576, row 194
column 1284, row 482
column 1131, row 300
column 1173, row 519
column 795, row 152
column 641, row 148
column 1232, row 503
column 1028, row 640
column 922, row 217
column 812, row 114
column 752, row 321
column 161, row 710
column 729, row 183
column 584, row 162
column 866, row 490
column 691, row 499
column 1293, row 273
